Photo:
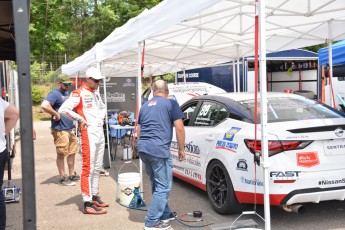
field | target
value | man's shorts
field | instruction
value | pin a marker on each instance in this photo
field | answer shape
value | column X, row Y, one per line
column 66, row 142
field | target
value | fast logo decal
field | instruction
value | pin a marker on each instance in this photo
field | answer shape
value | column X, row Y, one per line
column 308, row 159
column 227, row 143
column 286, row 174
column 152, row 103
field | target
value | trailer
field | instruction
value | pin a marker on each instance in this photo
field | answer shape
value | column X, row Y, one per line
column 332, row 80
column 291, row 71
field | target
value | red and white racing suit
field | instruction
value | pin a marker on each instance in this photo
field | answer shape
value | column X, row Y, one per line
column 85, row 104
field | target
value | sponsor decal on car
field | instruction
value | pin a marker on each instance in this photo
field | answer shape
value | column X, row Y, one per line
column 251, row 182
column 284, row 174
column 242, row 165
column 227, row 143
column 188, row 148
column 193, row 174
column 189, row 159
column 307, row 159
column 330, row 182
column 229, row 135
column 178, row 168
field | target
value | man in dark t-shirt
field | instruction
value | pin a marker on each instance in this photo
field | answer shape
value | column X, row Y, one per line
column 157, row 117
column 65, row 141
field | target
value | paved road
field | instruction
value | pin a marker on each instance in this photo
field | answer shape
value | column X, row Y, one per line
column 59, row 207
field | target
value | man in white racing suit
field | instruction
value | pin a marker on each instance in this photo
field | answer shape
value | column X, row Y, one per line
column 85, row 106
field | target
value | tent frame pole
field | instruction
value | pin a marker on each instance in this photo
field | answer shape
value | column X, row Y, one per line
column 21, row 21
column 263, row 108
column 139, row 86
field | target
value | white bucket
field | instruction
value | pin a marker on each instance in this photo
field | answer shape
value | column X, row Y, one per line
column 126, row 184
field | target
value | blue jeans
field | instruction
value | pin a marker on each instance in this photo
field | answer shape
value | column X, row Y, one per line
column 160, row 172
column 3, row 160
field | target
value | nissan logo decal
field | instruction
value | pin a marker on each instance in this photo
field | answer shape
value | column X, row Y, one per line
column 339, row 132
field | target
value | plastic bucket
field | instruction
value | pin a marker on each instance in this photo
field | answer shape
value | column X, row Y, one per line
column 126, row 184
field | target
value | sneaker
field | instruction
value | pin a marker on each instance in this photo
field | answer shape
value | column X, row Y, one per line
column 90, row 208
column 74, row 177
column 104, row 173
column 161, row 225
column 96, row 200
column 65, row 181
column 172, row 216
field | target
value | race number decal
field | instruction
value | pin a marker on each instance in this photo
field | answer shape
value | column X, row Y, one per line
column 204, row 110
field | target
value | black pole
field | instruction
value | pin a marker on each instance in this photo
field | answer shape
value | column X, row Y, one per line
column 21, row 28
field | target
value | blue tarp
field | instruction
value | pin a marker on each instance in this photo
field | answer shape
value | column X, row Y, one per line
column 338, row 54
column 290, row 54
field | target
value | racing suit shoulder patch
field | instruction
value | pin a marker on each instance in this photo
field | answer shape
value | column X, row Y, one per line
column 75, row 94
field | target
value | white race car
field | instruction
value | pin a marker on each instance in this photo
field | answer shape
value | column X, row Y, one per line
column 306, row 150
column 183, row 91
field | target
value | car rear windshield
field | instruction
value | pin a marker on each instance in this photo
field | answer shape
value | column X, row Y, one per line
column 294, row 109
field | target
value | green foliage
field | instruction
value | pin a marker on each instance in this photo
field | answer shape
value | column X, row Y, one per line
column 39, row 92
column 39, row 73
column 71, row 27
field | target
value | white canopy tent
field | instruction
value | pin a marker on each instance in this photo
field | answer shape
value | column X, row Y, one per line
column 218, row 31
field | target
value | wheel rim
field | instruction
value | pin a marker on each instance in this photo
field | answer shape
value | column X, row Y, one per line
column 217, row 186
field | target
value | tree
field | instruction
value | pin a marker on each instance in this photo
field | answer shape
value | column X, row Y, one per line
column 72, row 27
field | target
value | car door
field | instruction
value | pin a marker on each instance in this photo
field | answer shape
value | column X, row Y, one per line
column 201, row 118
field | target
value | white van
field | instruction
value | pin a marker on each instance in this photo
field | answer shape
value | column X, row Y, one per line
column 182, row 92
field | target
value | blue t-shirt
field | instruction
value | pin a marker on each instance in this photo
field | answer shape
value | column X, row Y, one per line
column 56, row 98
column 156, row 118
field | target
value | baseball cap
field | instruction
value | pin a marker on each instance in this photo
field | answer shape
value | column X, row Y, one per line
column 63, row 78
column 94, row 73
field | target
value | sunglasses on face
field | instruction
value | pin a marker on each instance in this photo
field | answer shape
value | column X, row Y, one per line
column 67, row 84
column 95, row 80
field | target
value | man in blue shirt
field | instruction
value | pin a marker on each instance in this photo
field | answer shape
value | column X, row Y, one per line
column 65, row 140
column 157, row 117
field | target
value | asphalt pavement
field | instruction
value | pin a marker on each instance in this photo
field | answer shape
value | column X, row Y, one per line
column 60, row 207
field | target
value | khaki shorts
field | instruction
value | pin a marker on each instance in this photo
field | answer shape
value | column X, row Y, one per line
column 66, row 142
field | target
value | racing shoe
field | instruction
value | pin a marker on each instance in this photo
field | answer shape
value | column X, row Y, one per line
column 161, row 225
column 96, row 200
column 66, row 181
column 90, row 208
column 173, row 216
column 104, row 173
column 74, row 177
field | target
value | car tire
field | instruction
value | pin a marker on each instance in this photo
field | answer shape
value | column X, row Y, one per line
column 220, row 190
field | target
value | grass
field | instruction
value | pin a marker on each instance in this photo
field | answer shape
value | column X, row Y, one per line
column 38, row 114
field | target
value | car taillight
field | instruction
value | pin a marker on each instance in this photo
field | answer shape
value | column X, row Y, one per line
column 275, row 147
